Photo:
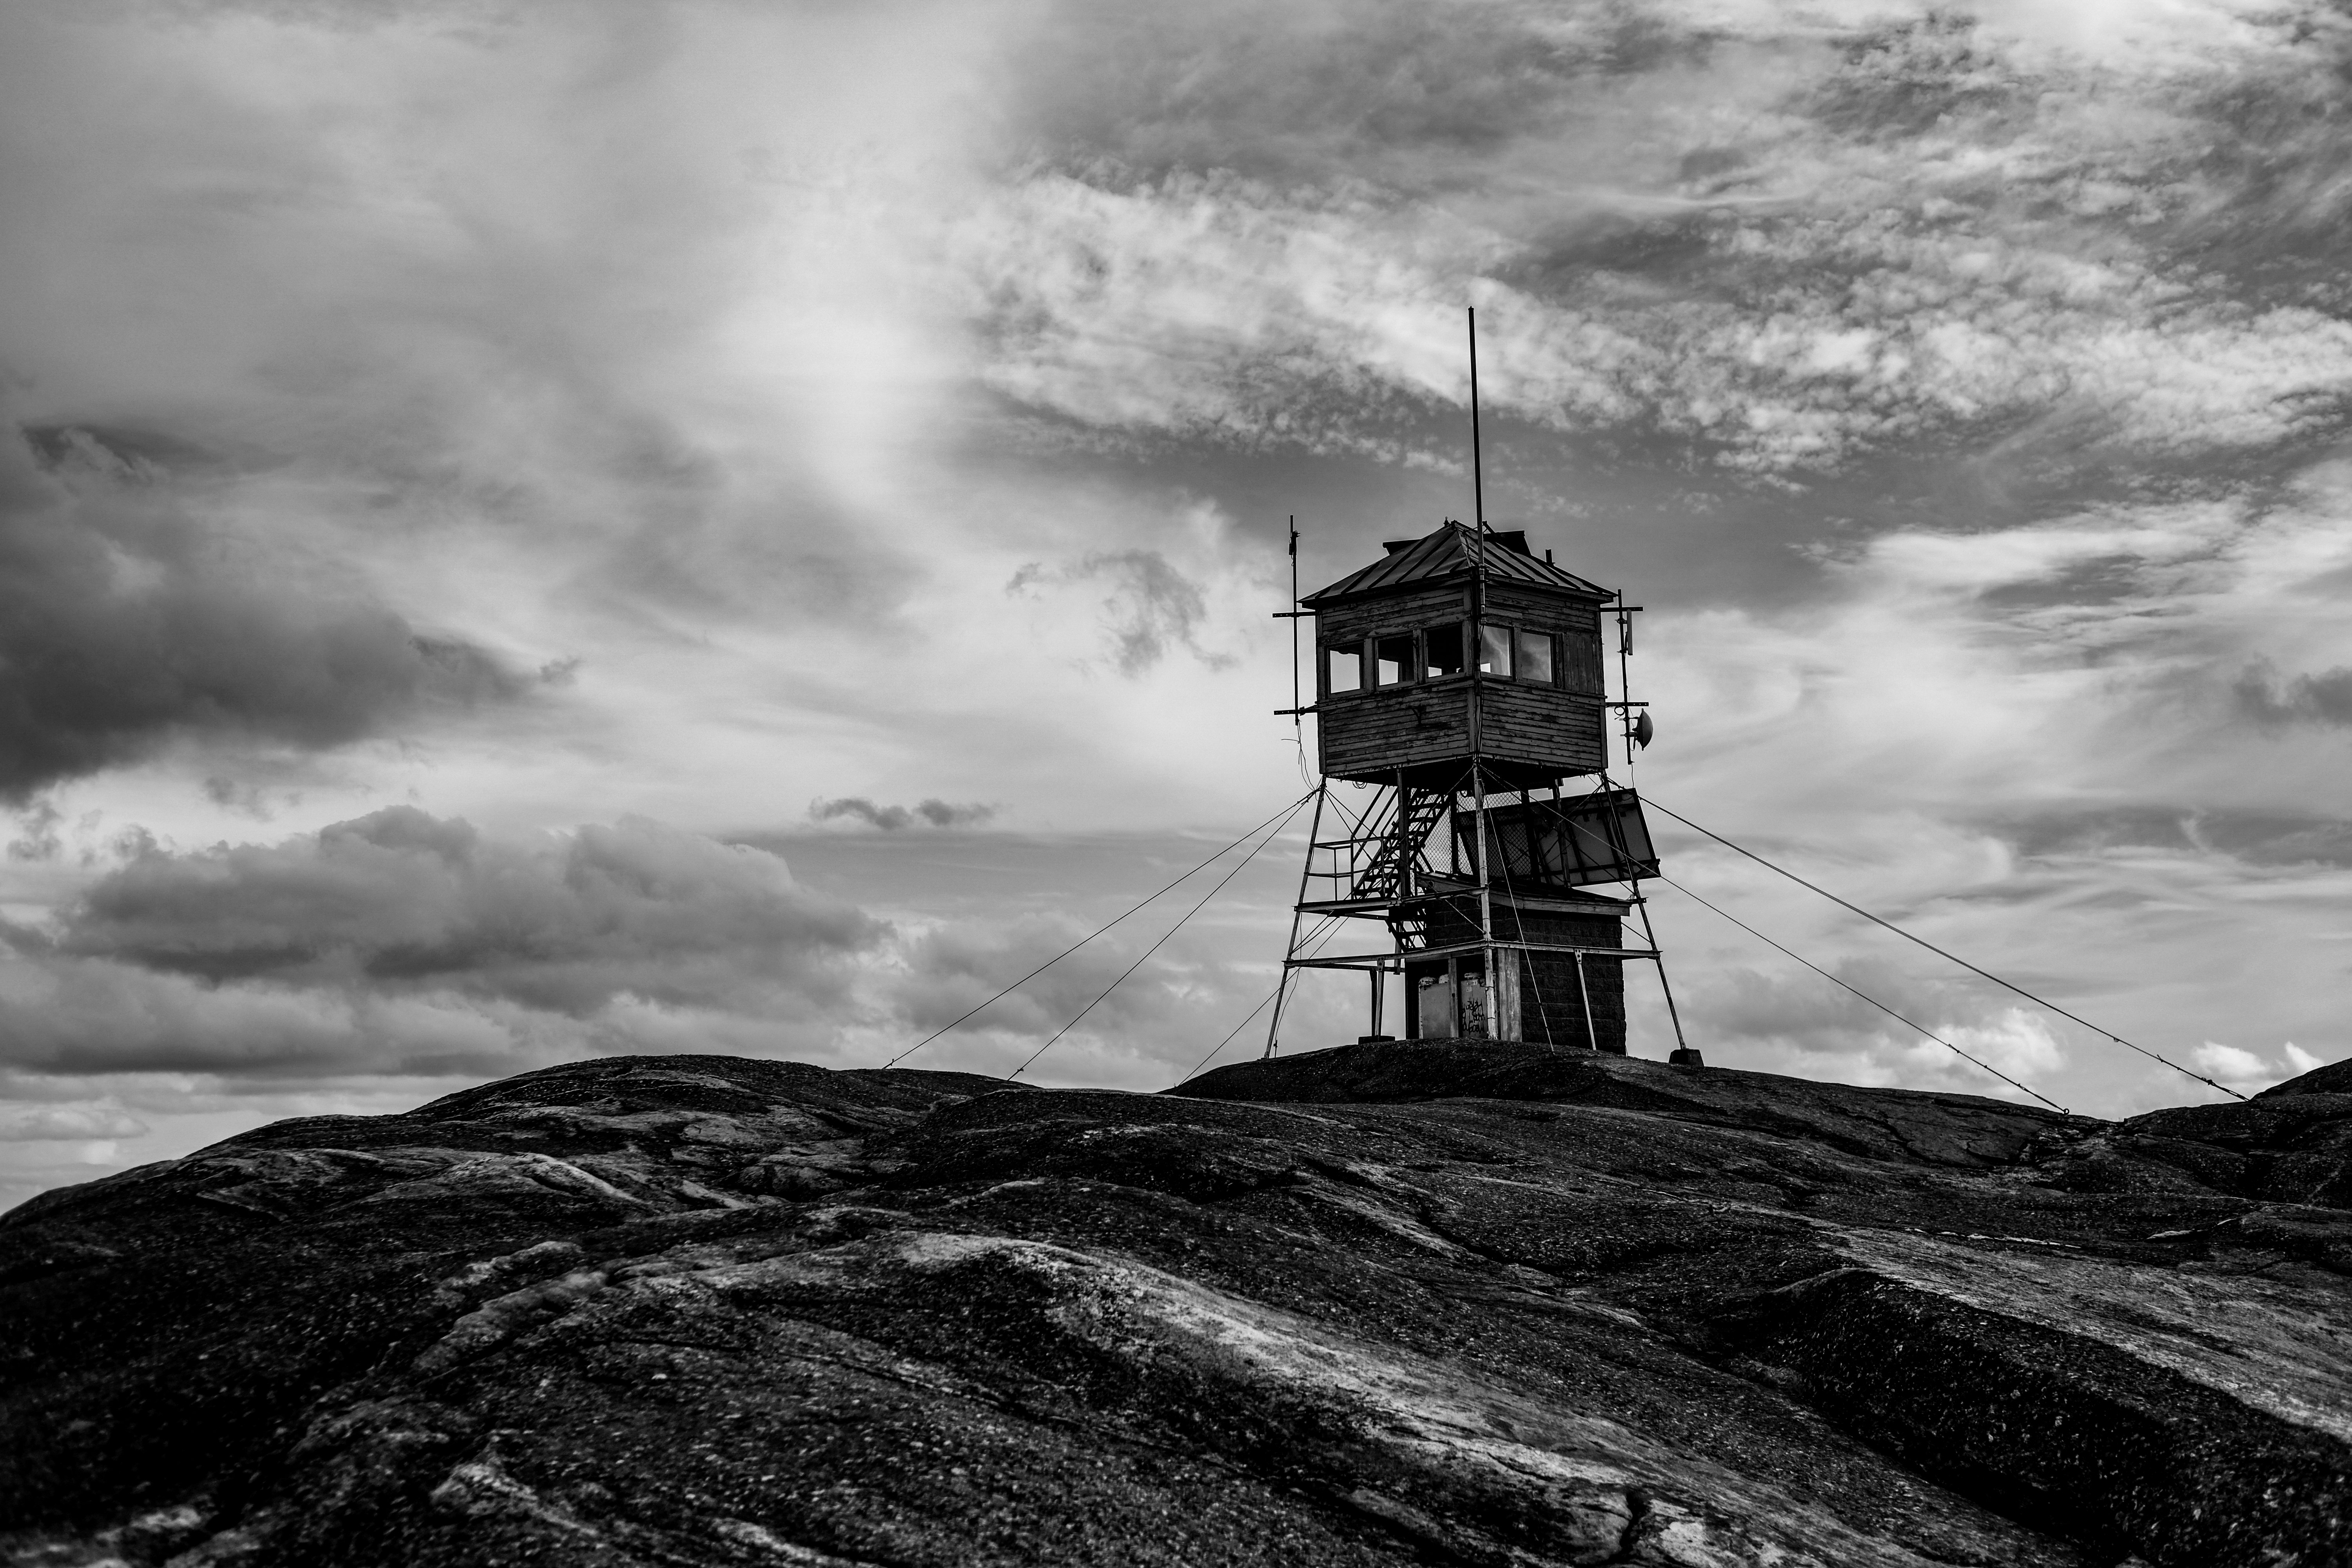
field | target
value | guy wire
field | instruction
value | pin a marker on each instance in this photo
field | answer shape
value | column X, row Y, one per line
column 1931, row 947
column 1284, row 814
column 1874, row 1001
column 1156, row 946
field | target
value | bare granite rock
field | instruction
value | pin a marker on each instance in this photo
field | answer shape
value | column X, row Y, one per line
column 1386, row 1304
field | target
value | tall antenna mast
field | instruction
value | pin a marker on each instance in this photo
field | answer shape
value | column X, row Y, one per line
column 1478, row 470
column 1489, row 965
column 1477, row 511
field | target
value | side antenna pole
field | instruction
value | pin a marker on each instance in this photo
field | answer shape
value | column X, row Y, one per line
column 1296, row 700
column 1625, row 682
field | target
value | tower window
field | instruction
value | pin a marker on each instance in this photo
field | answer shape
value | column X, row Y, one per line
column 1343, row 669
column 1392, row 659
column 1444, row 645
column 1534, row 656
column 1493, row 651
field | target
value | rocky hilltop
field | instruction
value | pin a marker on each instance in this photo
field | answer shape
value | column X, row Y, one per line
column 1385, row 1304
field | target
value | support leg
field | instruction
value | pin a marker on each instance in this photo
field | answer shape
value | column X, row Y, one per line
column 1683, row 1055
column 1584, row 994
column 1486, row 895
column 1282, row 986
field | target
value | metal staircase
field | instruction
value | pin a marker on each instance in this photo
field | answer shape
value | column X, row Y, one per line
column 1373, row 865
column 1387, row 878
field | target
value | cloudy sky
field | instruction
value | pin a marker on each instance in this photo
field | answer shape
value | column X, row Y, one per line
column 536, row 530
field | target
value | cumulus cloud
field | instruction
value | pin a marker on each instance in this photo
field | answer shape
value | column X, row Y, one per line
column 1775, row 1015
column 126, row 624
column 891, row 818
column 2249, row 1071
column 1791, row 1016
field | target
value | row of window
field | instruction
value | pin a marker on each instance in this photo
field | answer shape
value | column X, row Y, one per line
column 1513, row 652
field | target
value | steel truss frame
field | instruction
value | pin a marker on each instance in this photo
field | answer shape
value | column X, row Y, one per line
column 1378, row 865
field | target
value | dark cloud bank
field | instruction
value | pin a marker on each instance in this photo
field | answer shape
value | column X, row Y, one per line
column 496, row 944
column 126, row 624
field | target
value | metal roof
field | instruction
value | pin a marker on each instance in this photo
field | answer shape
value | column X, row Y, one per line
column 1448, row 554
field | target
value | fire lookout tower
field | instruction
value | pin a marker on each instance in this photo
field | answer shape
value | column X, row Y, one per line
column 1460, row 681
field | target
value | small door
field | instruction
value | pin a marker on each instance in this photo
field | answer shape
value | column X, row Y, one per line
column 1433, row 1004
column 1447, row 999
column 1470, row 1001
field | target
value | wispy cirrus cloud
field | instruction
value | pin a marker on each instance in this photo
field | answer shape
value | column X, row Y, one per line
column 1781, row 247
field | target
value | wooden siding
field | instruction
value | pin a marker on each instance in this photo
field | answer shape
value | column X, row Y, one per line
column 1538, row 606
column 1562, row 730
column 1390, row 614
column 1570, row 614
column 1580, row 670
column 1373, row 734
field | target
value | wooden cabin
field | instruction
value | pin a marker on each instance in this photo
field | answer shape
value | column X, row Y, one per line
column 1396, row 644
